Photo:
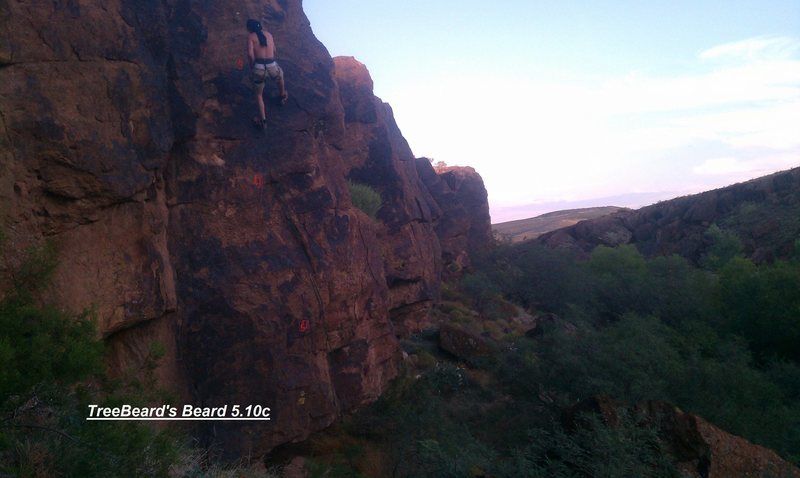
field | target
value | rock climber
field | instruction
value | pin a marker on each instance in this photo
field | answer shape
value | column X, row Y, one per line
column 261, row 52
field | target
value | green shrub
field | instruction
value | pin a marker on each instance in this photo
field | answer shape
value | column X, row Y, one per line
column 43, row 344
column 365, row 198
column 725, row 246
column 762, row 303
column 613, row 282
column 51, row 369
column 33, row 273
column 486, row 297
column 425, row 360
column 636, row 359
column 450, row 292
column 627, row 449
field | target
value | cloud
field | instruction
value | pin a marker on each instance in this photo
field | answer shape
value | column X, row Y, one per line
column 754, row 49
column 732, row 116
column 750, row 103
column 729, row 85
column 740, row 169
column 772, row 125
column 720, row 166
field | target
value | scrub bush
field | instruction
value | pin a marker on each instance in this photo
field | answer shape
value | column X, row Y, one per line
column 365, row 198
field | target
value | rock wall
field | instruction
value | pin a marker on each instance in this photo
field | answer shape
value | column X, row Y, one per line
column 376, row 154
column 464, row 227
column 125, row 136
column 678, row 226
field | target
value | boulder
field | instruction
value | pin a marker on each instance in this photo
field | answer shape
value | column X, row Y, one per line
column 548, row 322
column 463, row 343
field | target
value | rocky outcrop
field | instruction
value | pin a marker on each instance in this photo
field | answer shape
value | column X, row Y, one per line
column 550, row 323
column 376, row 154
column 125, row 136
column 463, row 343
column 465, row 226
column 679, row 226
column 700, row 449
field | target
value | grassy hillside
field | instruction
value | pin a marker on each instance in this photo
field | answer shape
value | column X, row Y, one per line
column 531, row 228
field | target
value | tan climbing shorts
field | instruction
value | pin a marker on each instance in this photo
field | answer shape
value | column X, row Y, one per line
column 261, row 72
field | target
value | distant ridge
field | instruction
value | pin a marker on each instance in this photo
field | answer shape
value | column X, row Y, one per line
column 531, row 228
column 763, row 213
column 630, row 200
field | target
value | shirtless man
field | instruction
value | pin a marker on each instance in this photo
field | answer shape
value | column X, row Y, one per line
column 261, row 52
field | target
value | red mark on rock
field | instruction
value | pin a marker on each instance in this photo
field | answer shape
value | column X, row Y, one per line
column 304, row 325
column 240, row 63
column 258, row 181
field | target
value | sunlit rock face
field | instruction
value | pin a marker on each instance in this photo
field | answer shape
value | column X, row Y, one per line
column 464, row 227
column 376, row 154
column 126, row 137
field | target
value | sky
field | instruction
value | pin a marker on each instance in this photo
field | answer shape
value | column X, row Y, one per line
column 563, row 104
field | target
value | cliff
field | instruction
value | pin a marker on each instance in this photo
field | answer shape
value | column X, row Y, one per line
column 763, row 213
column 126, row 137
column 464, row 227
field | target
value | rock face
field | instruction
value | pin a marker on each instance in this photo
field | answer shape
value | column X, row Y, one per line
column 678, row 226
column 375, row 153
column 125, row 136
column 465, row 225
